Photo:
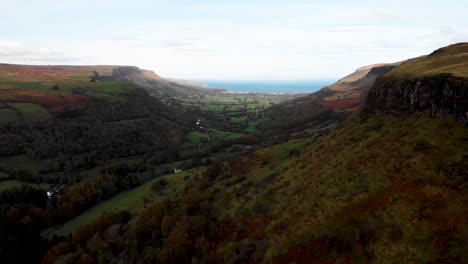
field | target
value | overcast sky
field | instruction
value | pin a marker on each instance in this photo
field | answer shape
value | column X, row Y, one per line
column 236, row 39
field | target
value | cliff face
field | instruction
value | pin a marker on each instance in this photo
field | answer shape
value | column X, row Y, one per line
column 131, row 73
column 128, row 73
column 441, row 95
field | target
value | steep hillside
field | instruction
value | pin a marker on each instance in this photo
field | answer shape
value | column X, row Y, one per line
column 57, row 87
column 135, row 178
column 452, row 59
column 326, row 109
column 351, row 89
column 74, row 117
column 385, row 187
column 187, row 82
column 69, row 118
column 437, row 83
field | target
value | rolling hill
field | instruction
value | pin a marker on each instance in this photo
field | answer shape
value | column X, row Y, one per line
column 70, row 118
column 319, row 112
column 381, row 179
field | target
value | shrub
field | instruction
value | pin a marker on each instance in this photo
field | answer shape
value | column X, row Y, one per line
column 214, row 170
column 294, row 152
column 423, row 146
column 147, row 228
column 396, row 233
column 106, row 220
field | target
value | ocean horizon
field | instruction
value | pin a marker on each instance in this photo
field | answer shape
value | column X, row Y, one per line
column 269, row 86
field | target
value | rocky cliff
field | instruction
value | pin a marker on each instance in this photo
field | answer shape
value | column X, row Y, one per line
column 128, row 73
column 441, row 95
column 436, row 83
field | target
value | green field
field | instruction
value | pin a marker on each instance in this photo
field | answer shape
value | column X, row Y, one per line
column 72, row 84
column 218, row 107
column 252, row 126
column 132, row 200
column 7, row 116
column 8, row 80
column 282, row 151
column 237, row 109
column 9, row 184
column 238, row 119
column 195, row 137
column 218, row 134
column 30, row 111
column 232, row 136
column 108, row 88
column 21, row 162
column 225, row 100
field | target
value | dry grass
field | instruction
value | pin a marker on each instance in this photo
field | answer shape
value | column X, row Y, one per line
column 383, row 172
column 452, row 59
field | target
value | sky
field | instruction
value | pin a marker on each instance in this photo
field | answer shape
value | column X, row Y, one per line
column 228, row 40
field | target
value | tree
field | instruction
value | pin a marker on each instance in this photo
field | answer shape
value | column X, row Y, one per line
column 147, row 229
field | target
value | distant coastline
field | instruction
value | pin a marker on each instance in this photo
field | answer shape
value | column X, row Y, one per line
column 268, row 86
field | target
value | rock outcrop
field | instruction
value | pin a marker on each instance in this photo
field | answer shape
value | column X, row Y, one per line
column 437, row 83
column 440, row 95
column 128, row 73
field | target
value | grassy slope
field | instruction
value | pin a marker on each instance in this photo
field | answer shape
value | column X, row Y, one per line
column 385, row 173
column 31, row 112
column 9, row 184
column 132, row 200
column 21, row 162
column 452, row 59
column 346, row 88
column 382, row 174
column 399, row 177
column 66, row 78
column 252, row 126
column 31, row 88
column 249, row 175
column 7, row 116
column 195, row 137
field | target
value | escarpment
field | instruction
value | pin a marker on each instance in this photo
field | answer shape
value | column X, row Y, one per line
column 440, row 95
column 127, row 73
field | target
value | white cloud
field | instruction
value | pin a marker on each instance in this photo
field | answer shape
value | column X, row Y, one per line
column 121, row 37
column 15, row 51
column 453, row 34
column 234, row 39
column 230, row 50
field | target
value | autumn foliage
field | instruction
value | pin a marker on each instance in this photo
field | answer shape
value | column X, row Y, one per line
column 342, row 104
column 53, row 100
column 106, row 220
column 85, row 194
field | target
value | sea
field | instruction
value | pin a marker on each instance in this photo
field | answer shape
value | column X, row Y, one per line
column 269, row 86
